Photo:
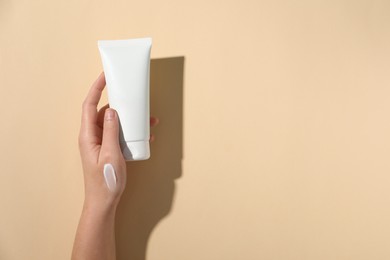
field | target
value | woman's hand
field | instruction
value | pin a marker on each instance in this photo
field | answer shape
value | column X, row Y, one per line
column 99, row 149
column 99, row 145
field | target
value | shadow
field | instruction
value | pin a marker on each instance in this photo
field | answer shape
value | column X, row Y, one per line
column 150, row 184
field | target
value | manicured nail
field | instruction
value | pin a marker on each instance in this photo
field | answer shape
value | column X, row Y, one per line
column 109, row 176
column 110, row 114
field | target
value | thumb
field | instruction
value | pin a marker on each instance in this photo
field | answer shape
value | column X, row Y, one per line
column 110, row 142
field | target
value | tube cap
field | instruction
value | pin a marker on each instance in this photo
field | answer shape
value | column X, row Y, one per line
column 136, row 151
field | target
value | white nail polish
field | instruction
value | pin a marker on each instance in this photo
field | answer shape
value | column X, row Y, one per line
column 110, row 176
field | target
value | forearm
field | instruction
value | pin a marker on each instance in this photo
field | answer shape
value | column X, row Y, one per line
column 95, row 236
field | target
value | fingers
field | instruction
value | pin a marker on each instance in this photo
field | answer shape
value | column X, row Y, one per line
column 110, row 143
column 100, row 116
column 154, row 121
column 101, row 119
column 89, row 115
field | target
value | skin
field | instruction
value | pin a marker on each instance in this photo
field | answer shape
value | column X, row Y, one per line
column 98, row 145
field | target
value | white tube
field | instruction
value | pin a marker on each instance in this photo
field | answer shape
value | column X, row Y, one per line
column 126, row 67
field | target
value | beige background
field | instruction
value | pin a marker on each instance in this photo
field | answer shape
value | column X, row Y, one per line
column 277, row 111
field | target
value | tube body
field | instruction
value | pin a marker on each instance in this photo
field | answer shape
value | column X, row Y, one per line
column 126, row 65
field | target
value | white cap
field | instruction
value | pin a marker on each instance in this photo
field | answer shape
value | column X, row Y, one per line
column 135, row 151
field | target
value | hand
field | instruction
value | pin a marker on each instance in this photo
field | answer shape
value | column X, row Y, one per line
column 99, row 145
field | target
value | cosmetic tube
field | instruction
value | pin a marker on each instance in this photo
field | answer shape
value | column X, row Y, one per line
column 126, row 65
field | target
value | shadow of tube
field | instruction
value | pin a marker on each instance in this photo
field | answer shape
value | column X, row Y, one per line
column 150, row 184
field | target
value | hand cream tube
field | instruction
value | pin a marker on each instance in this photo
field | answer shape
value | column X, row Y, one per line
column 126, row 67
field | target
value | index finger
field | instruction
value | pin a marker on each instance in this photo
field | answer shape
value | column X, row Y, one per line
column 89, row 114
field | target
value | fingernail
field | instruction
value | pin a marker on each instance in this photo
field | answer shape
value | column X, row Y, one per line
column 110, row 114
column 109, row 176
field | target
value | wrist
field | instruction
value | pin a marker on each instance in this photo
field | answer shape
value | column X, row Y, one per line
column 102, row 206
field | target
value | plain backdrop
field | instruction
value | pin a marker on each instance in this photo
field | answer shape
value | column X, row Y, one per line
column 274, row 140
